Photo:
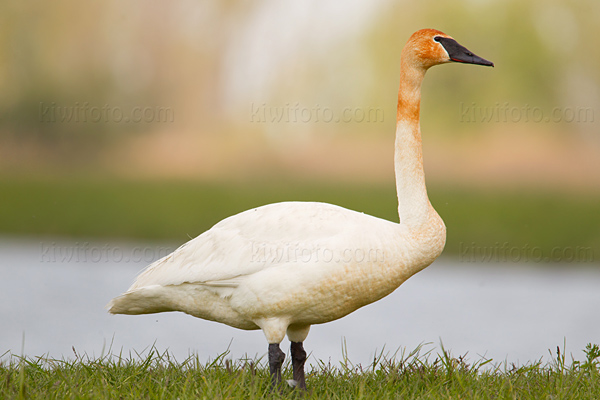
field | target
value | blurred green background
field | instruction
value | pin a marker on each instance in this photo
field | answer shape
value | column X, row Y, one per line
column 154, row 120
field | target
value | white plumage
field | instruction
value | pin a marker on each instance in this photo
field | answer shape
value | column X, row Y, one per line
column 286, row 266
column 292, row 263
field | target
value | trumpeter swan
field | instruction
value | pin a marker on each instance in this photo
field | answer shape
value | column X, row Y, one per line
column 286, row 266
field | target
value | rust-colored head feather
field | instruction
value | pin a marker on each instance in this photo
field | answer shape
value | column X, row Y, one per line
column 422, row 51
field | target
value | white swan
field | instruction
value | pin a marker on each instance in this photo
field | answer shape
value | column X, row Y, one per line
column 286, row 266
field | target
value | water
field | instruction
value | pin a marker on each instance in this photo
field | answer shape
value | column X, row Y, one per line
column 52, row 301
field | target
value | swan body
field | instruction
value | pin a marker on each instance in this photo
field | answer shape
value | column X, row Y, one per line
column 291, row 263
column 286, row 266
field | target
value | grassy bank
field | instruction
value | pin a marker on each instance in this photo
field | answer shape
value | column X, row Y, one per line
column 410, row 376
column 482, row 226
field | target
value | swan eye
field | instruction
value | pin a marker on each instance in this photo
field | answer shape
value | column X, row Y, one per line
column 437, row 39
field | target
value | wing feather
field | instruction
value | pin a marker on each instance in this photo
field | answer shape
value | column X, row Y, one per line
column 258, row 239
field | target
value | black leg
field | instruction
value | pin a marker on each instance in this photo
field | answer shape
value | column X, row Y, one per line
column 276, row 357
column 298, row 360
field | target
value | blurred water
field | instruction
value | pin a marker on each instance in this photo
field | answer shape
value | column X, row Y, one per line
column 54, row 299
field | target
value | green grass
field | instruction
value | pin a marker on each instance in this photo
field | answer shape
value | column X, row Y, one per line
column 499, row 225
column 416, row 375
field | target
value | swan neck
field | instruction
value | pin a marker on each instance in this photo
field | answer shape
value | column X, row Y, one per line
column 413, row 203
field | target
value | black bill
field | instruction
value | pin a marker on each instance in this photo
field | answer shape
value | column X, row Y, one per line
column 461, row 54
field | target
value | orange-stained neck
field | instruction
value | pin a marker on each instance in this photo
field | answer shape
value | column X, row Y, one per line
column 413, row 204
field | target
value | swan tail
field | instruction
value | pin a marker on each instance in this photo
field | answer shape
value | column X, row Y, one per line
column 146, row 300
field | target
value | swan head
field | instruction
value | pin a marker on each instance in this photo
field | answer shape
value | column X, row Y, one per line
column 429, row 47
